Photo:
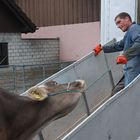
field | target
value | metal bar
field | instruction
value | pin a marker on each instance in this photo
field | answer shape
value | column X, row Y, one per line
column 40, row 135
column 110, row 73
column 22, row 69
column 43, row 67
column 109, row 70
column 24, row 87
column 14, row 78
column 86, row 103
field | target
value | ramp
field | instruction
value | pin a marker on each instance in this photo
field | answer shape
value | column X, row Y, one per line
column 100, row 74
column 116, row 119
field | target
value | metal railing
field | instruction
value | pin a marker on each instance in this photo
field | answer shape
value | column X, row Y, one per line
column 18, row 78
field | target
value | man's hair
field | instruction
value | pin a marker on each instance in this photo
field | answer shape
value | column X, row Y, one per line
column 123, row 15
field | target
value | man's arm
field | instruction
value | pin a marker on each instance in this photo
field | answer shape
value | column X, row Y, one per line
column 133, row 51
column 118, row 46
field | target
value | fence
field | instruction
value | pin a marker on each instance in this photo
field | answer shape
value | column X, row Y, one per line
column 18, row 78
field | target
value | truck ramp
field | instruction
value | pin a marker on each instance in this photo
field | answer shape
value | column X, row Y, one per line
column 100, row 74
column 117, row 119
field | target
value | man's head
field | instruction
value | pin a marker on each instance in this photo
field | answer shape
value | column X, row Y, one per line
column 123, row 21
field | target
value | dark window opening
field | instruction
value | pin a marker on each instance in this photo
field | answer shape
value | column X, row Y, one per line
column 3, row 53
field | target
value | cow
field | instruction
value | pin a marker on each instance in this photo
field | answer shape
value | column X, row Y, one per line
column 24, row 116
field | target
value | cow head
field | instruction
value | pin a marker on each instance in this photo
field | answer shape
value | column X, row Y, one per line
column 52, row 88
column 56, row 99
column 61, row 98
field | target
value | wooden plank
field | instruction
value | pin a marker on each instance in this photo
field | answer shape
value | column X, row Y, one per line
column 61, row 10
column 89, row 7
column 80, row 11
column 70, row 9
column 57, row 12
column 75, row 11
column 48, row 7
column 66, row 12
column 85, row 11
column 52, row 2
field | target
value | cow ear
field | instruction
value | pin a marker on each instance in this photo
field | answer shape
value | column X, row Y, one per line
column 37, row 93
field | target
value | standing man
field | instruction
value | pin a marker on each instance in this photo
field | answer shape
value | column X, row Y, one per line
column 130, row 45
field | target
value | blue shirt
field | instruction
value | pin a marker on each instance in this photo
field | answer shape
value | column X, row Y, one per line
column 131, row 41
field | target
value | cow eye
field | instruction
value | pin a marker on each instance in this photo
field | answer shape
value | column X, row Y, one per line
column 55, row 83
column 51, row 83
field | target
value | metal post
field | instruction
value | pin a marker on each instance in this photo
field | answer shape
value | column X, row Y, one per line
column 84, row 95
column 110, row 73
column 86, row 103
column 14, row 78
column 23, row 69
column 41, row 136
column 109, row 70
column 43, row 67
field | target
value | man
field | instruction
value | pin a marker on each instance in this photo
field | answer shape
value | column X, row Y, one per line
column 130, row 45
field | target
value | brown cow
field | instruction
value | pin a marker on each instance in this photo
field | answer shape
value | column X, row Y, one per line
column 21, row 117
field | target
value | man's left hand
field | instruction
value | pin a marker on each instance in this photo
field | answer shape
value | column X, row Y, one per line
column 121, row 59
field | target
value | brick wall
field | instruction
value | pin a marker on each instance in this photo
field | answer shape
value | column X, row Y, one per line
column 30, row 52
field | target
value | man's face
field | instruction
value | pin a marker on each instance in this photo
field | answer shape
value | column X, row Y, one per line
column 123, row 23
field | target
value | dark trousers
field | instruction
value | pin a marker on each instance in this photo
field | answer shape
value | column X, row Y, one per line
column 120, row 85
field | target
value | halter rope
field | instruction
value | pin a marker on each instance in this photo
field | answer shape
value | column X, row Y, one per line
column 64, row 91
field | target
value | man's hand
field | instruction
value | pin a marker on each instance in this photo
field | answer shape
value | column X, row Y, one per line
column 97, row 49
column 121, row 59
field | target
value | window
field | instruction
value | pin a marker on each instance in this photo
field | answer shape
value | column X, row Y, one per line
column 3, row 53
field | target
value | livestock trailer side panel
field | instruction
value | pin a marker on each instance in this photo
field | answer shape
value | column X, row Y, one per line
column 117, row 119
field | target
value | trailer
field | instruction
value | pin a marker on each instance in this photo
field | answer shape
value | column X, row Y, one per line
column 99, row 116
column 101, row 73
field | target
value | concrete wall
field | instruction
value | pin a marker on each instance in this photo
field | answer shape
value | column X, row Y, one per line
column 76, row 40
column 30, row 52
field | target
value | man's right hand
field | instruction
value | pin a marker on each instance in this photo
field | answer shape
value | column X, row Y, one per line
column 121, row 59
column 97, row 49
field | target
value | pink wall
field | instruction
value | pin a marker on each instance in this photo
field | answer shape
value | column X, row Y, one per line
column 76, row 40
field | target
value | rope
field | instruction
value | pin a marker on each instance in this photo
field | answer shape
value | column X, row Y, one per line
column 63, row 91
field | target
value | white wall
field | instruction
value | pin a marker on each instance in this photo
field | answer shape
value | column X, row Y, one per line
column 76, row 40
column 109, row 9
